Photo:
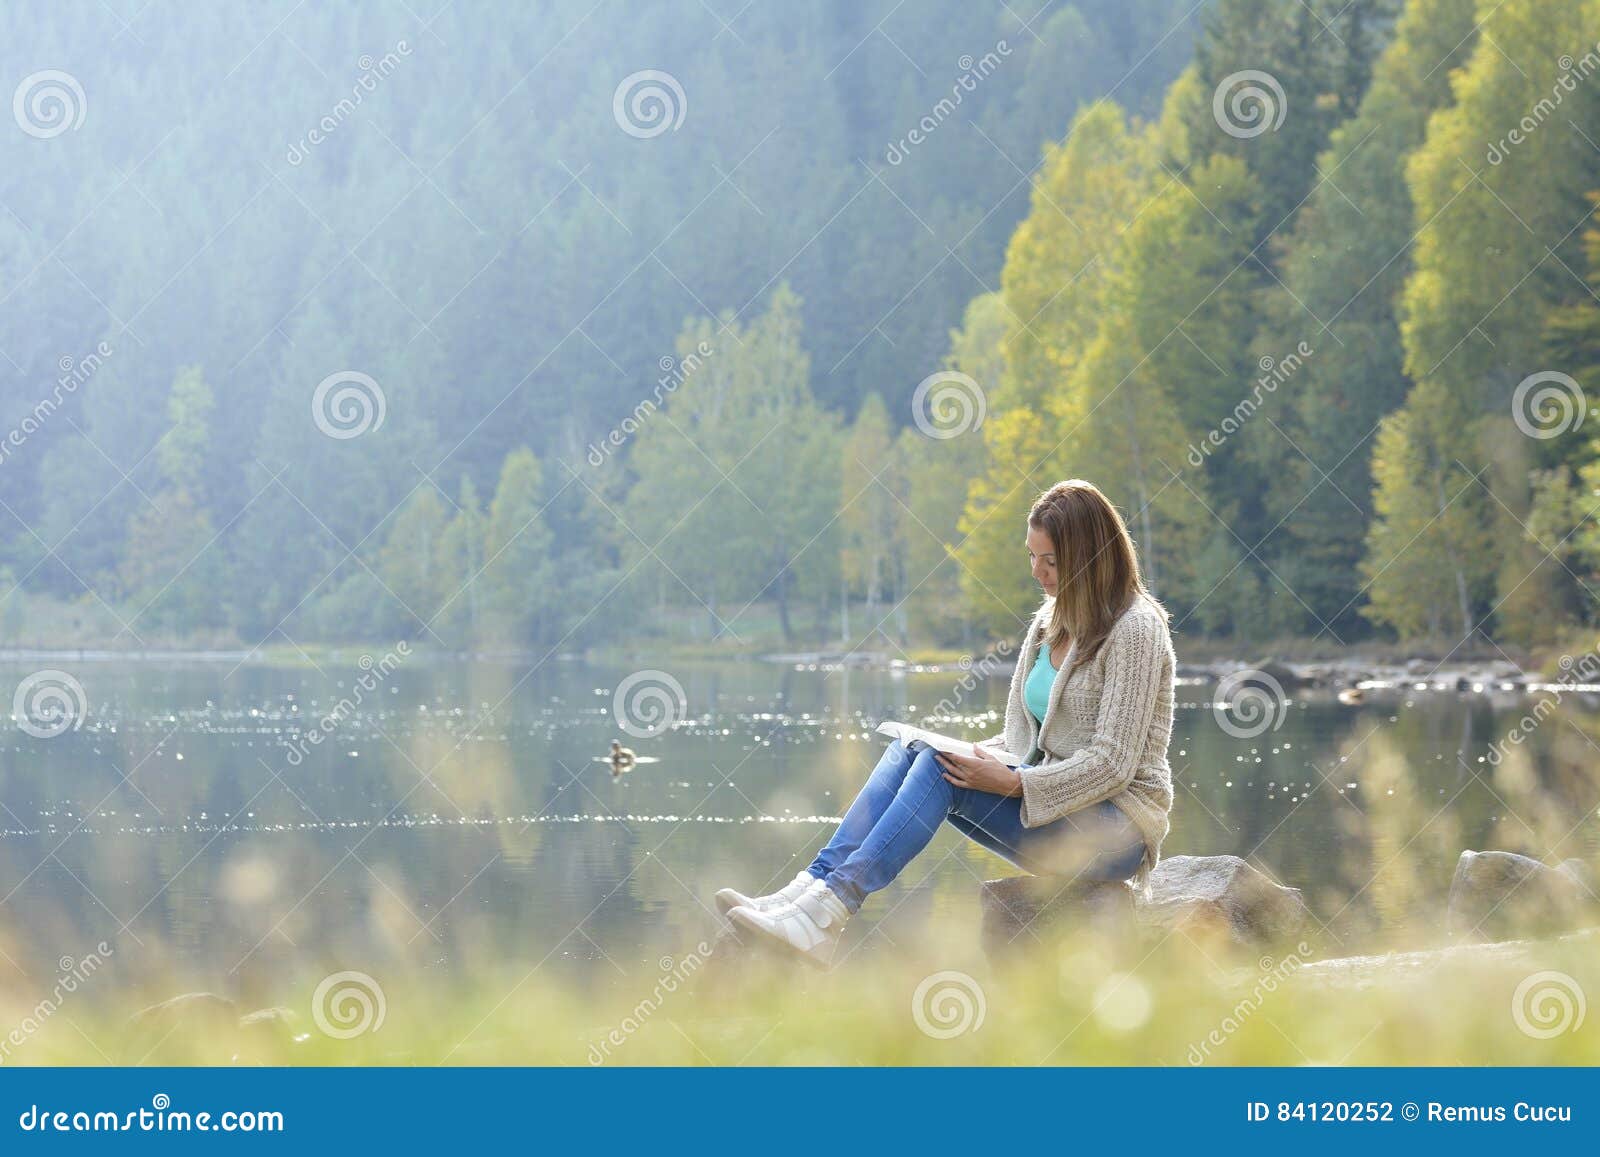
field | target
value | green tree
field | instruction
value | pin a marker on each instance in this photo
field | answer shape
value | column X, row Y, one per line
column 460, row 563
column 1494, row 261
column 1430, row 554
column 730, row 467
column 868, row 510
column 408, row 562
column 517, row 570
column 935, row 473
column 1086, row 192
column 172, row 571
column 1346, row 264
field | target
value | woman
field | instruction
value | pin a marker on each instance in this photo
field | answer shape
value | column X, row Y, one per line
column 1091, row 705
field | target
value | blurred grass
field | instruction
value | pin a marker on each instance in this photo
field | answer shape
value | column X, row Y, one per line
column 1075, row 998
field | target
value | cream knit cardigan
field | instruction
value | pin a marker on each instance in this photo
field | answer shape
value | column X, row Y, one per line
column 1105, row 730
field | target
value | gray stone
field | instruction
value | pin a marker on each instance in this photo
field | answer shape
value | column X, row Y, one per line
column 1018, row 909
column 1583, row 874
column 1286, row 676
column 1417, row 969
column 1506, row 896
column 194, row 1028
column 1223, row 895
column 267, row 1033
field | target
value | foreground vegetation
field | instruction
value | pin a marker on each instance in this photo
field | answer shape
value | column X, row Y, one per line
column 1074, row 999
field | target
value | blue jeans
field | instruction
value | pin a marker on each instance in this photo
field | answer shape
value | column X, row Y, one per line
column 906, row 799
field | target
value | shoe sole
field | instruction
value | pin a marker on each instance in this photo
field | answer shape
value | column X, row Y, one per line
column 776, row 944
column 726, row 903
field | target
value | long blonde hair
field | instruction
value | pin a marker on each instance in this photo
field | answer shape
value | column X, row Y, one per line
column 1097, row 569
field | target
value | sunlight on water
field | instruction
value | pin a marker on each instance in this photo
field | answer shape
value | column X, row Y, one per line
column 465, row 817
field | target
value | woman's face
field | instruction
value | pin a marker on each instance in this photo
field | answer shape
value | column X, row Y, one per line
column 1042, row 559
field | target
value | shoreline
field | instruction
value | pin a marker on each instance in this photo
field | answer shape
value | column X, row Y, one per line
column 1373, row 668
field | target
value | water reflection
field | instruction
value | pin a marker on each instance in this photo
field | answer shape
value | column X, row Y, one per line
column 465, row 814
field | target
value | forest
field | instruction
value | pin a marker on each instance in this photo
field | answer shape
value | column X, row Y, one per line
column 776, row 333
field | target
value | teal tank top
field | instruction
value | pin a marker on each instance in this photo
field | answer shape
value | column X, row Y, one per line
column 1036, row 690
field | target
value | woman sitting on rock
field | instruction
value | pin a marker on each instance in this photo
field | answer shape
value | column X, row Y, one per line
column 1091, row 705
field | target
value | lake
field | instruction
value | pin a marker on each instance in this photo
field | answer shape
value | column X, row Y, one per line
column 462, row 815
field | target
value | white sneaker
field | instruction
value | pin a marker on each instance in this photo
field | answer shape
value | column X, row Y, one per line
column 809, row 926
column 728, row 899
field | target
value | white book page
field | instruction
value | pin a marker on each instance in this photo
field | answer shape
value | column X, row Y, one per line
column 905, row 733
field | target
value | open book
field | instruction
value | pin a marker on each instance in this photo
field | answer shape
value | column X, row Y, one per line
column 905, row 733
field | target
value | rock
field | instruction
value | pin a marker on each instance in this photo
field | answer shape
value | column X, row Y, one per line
column 1286, row 676
column 1420, row 968
column 1218, row 895
column 1506, row 896
column 1017, row 908
column 266, row 1034
column 1225, row 895
column 1583, row 874
column 1334, row 674
column 195, row 1028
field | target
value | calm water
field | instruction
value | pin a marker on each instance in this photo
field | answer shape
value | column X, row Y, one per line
column 460, row 817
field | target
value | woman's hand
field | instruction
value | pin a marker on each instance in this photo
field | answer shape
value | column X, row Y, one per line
column 980, row 771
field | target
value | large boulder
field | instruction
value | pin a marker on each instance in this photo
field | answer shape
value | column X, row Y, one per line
column 1223, row 896
column 1506, row 896
column 1017, row 910
column 1214, row 897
